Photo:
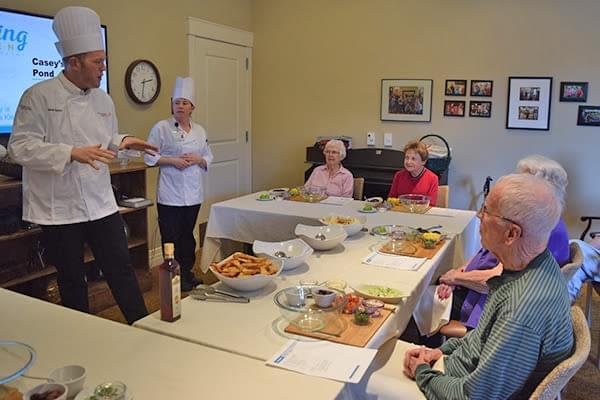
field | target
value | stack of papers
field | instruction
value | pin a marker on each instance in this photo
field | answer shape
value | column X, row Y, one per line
column 337, row 201
column 325, row 359
column 396, row 262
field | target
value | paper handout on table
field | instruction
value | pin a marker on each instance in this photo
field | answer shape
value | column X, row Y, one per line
column 325, row 359
column 396, row 262
column 337, row 201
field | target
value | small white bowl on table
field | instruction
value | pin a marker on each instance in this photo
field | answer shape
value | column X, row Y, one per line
column 297, row 250
column 249, row 283
column 351, row 228
column 46, row 387
column 334, row 235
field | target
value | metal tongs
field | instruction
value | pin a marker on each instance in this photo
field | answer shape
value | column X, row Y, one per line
column 209, row 293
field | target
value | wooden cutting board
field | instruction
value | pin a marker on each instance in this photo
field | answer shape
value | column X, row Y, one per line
column 421, row 252
column 301, row 199
column 404, row 209
column 346, row 332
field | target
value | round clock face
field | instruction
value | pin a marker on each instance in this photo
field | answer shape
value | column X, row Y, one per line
column 142, row 81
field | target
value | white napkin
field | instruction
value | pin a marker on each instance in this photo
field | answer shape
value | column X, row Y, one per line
column 431, row 313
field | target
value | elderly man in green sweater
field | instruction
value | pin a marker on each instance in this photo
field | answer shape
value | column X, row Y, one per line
column 525, row 328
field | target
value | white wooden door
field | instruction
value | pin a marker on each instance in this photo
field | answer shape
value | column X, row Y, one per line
column 221, row 73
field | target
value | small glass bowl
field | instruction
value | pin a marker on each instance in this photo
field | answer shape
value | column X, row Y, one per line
column 114, row 390
column 309, row 317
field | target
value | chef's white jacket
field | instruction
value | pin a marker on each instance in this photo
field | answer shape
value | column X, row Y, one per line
column 54, row 116
column 179, row 187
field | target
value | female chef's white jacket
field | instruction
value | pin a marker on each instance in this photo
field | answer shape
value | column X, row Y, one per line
column 179, row 187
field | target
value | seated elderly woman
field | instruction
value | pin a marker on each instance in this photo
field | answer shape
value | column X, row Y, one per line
column 470, row 280
column 415, row 178
column 332, row 176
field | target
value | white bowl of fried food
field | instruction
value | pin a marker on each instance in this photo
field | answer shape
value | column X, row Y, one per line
column 246, row 273
column 321, row 237
column 292, row 252
column 352, row 225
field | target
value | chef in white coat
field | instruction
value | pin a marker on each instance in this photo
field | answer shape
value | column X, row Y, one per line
column 61, row 136
column 184, row 158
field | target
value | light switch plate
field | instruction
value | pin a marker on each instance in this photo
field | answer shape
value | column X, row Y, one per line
column 387, row 140
column 371, row 139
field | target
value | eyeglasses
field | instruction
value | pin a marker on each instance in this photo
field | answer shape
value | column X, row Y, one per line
column 331, row 152
column 483, row 210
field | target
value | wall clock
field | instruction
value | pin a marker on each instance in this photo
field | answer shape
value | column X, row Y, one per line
column 142, row 81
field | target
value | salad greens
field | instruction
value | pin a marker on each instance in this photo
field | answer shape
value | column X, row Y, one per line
column 381, row 291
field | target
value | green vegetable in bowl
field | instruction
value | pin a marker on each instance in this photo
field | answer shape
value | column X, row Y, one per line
column 368, row 207
column 361, row 316
column 382, row 291
column 294, row 192
column 382, row 230
column 265, row 196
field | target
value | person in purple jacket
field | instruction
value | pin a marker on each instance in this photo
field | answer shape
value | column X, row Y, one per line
column 468, row 283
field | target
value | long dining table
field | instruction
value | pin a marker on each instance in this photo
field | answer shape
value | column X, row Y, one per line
column 256, row 329
column 152, row 366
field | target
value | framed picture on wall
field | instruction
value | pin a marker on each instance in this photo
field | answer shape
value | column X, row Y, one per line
column 481, row 88
column 588, row 116
column 454, row 108
column 529, row 103
column 574, row 91
column 480, row 109
column 456, row 87
column 406, row 100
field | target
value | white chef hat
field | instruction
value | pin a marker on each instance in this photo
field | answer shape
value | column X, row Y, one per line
column 184, row 89
column 77, row 30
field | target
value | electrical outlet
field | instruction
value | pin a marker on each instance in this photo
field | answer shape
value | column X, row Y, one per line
column 371, row 139
column 387, row 140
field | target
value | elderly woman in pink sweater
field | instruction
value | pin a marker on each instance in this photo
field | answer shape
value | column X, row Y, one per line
column 332, row 176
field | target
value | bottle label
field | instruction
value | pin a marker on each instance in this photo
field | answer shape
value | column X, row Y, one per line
column 176, row 295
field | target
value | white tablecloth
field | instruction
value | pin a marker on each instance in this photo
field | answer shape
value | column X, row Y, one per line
column 255, row 329
column 152, row 366
column 244, row 219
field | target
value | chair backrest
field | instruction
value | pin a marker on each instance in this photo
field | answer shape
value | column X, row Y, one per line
column 576, row 257
column 550, row 387
column 442, row 196
column 359, row 188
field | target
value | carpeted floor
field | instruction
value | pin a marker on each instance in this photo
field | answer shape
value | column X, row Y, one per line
column 585, row 385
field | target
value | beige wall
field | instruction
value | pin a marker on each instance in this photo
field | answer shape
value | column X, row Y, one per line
column 152, row 30
column 318, row 66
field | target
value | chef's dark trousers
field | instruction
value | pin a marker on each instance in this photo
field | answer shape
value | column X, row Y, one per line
column 107, row 240
column 177, row 226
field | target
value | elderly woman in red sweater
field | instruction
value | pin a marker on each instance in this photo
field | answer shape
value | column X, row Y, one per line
column 415, row 178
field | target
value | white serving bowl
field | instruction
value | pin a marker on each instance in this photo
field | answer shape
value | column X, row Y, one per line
column 45, row 387
column 296, row 250
column 334, row 235
column 72, row 376
column 352, row 225
column 250, row 283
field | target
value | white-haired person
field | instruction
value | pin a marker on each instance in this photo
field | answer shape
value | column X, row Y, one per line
column 184, row 157
column 468, row 283
column 525, row 329
column 332, row 176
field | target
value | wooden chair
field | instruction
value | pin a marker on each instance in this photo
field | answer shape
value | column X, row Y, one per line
column 550, row 387
column 359, row 187
column 442, row 196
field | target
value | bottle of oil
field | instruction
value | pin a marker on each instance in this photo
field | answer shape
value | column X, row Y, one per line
column 169, row 283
